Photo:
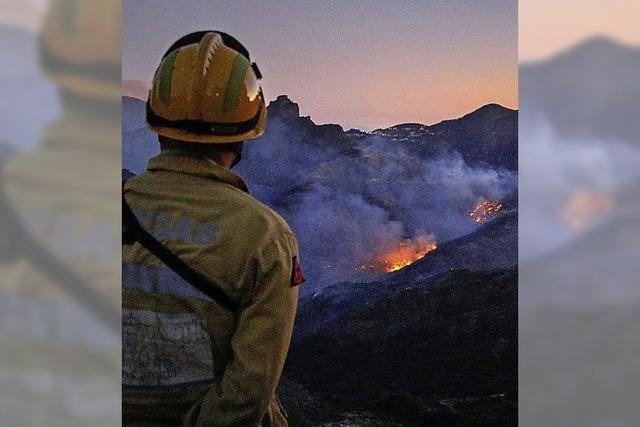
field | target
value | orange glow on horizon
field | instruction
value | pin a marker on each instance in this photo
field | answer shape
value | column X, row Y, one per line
column 420, row 100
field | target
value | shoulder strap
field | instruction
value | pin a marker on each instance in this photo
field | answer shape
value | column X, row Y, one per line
column 23, row 244
column 132, row 232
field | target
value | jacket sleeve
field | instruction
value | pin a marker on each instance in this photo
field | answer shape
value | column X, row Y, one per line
column 260, row 345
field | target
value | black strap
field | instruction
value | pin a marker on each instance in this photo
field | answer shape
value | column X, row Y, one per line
column 24, row 245
column 133, row 232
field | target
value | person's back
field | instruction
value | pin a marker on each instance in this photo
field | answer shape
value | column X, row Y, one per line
column 186, row 358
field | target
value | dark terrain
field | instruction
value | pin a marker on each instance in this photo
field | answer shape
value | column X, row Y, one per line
column 442, row 352
column 435, row 351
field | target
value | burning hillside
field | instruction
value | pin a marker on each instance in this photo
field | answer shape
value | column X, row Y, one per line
column 402, row 255
column 485, row 210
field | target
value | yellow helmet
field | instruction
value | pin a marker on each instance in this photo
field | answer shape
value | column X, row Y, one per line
column 206, row 90
column 80, row 47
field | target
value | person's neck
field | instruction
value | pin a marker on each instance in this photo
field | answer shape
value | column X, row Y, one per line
column 222, row 158
column 225, row 160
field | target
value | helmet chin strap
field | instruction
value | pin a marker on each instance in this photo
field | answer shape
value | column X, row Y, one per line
column 238, row 153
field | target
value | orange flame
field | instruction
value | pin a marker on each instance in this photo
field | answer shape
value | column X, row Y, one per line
column 485, row 210
column 404, row 254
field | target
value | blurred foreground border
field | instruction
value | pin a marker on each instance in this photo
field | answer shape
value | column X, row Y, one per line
column 579, row 227
column 59, row 201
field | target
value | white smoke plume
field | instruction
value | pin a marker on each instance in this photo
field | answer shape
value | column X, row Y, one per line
column 347, row 207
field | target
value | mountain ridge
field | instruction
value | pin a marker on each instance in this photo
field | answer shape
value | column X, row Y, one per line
column 485, row 136
column 480, row 110
column 286, row 106
column 552, row 89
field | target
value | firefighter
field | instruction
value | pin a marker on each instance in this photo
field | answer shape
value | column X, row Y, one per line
column 189, row 359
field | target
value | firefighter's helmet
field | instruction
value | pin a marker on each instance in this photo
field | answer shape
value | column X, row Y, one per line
column 80, row 47
column 206, row 90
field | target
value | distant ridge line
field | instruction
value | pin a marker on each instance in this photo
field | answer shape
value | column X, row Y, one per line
column 285, row 99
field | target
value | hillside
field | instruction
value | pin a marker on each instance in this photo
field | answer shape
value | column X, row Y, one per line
column 436, row 352
column 492, row 246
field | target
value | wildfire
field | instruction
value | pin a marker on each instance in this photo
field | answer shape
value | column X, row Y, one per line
column 584, row 208
column 485, row 210
column 404, row 254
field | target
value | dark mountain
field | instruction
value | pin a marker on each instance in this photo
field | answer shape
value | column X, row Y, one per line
column 405, row 132
column 280, row 165
column 493, row 246
column 439, row 352
column 591, row 89
column 487, row 136
column 489, row 119
column 287, row 112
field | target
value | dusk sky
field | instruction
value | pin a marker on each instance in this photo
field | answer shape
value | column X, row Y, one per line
column 551, row 26
column 363, row 64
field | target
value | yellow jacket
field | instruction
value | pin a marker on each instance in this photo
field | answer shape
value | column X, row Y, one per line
column 186, row 359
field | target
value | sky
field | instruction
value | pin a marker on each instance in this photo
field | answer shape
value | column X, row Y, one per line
column 364, row 64
column 372, row 63
column 549, row 26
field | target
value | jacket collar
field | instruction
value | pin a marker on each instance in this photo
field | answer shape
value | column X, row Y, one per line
column 195, row 164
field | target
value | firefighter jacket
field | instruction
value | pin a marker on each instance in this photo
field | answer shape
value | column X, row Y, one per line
column 187, row 359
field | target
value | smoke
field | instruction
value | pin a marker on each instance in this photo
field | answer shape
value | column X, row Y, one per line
column 348, row 205
column 555, row 172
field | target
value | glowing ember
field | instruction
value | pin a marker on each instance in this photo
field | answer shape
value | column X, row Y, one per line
column 485, row 210
column 404, row 254
column 584, row 208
